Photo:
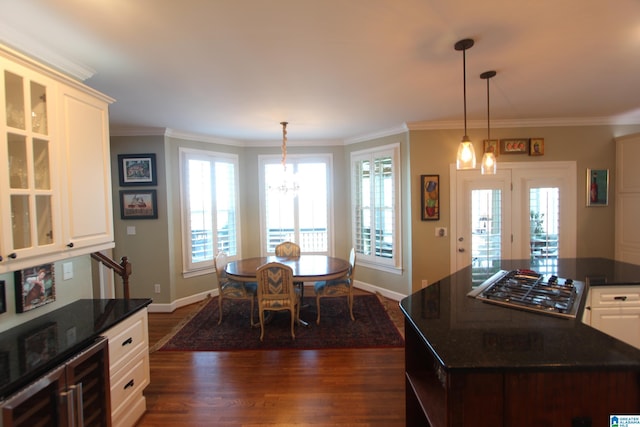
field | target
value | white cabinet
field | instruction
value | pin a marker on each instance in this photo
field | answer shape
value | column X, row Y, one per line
column 615, row 310
column 627, row 233
column 128, row 369
column 55, row 180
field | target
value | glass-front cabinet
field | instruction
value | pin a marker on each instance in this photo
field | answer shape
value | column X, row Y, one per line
column 28, row 194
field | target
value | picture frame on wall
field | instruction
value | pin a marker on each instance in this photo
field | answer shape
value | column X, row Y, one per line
column 491, row 146
column 138, row 204
column 3, row 298
column 597, row 187
column 514, row 146
column 137, row 169
column 430, row 200
column 34, row 287
column 536, row 147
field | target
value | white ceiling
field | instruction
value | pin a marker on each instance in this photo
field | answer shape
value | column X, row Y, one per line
column 339, row 70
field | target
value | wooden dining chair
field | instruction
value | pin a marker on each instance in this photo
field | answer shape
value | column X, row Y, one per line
column 276, row 292
column 338, row 287
column 288, row 249
column 231, row 289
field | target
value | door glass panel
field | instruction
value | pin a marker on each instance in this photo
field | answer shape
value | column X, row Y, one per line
column 17, row 150
column 486, row 233
column 41, row 164
column 14, row 100
column 44, row 220
column 20, row 221
column 38, row 108
column 544, row 207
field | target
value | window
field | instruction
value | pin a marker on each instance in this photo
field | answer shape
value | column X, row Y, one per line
column 300, row 215
column 376, row 206
column 209, row 208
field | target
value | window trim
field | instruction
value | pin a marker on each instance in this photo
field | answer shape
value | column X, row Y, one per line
column 326, row 158
column 394, row 264
column 206, row 267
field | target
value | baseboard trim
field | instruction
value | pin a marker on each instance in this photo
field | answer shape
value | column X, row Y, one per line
column 192, row 299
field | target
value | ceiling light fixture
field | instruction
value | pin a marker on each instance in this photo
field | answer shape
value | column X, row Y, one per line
column 466, row 158
column 288, row 184
column 488, row 166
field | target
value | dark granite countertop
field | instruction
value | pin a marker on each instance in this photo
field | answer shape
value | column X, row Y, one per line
column 466, row 333
column 37, row 346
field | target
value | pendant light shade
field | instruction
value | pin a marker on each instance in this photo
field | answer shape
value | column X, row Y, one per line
column 466, row 158
column 489, row 164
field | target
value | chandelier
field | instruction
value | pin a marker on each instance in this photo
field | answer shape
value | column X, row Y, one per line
column 288, row 185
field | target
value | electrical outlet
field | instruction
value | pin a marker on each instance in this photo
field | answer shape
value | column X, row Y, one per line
column 425, row 283
column 157, row 288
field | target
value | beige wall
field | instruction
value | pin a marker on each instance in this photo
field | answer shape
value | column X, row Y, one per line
column 432, row 152
column 156, row 251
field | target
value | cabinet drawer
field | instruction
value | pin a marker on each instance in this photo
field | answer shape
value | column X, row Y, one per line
column 129, row 382
column 127, row 339
column 608, row 296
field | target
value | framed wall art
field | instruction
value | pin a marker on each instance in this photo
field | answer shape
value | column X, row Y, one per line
column 430, row 185
column 536, row 147
column 138, row 204
column 514, row 146
column 3, row 298
column 597, row 187
column 491, row 146
column 137, row 169
column 35, row 287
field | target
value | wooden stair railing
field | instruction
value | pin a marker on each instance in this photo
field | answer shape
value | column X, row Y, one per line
column 123, row 269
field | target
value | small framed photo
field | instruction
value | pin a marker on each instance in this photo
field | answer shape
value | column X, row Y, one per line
column 536, row 147
column 430, row 185
column 137, row 169
column 491, row 146
column 3, row 298
column 35, row 287
column 514, row 146
column 597, row 187
column 138, row 204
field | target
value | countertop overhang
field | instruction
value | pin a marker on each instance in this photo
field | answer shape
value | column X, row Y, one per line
column 466, row 333
column 33, row 348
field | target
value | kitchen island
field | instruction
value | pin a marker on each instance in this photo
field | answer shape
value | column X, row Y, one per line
column 471, row 363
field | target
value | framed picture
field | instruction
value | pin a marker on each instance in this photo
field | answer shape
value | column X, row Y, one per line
column 514, row 146
column 137, row 169
column 536, row 147
column 3, row 298
column 138, row 204
column 38, row 346
column 35, row 287
column 491, row 146
column 430, row 185
column 597, row 187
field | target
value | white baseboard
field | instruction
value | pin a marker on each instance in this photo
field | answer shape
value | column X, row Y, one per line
column 169, row 308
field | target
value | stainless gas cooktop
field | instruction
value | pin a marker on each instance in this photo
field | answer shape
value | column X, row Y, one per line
column 532, row 291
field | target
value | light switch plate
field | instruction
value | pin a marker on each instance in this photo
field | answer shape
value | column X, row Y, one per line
column 67, row 271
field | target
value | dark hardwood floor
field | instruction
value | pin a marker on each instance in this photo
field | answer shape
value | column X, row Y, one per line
column 360, row 387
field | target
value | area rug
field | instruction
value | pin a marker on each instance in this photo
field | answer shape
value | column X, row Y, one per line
column 372, row 327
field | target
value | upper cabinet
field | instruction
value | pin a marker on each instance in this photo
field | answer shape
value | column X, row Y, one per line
column 55, row 185
column 627, row 234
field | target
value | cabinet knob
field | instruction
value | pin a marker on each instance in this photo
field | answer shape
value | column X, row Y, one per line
column 70, row 245
column 12, row 255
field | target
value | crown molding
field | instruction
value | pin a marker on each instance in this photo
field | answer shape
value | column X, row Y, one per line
column 519, row 123
column 402, row 128
column 39, row 52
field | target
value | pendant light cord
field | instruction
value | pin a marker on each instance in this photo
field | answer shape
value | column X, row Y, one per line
column 464, row 87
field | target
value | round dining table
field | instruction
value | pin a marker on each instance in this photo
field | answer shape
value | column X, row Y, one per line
column 306, row 268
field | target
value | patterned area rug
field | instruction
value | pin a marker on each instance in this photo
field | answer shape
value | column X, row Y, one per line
column 372, row 328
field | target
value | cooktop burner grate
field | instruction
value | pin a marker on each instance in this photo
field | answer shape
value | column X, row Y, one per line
column 532, row 291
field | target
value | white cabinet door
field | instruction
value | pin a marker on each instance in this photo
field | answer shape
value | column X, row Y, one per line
column 86, row 175
column 615, row 310
column 627, row 234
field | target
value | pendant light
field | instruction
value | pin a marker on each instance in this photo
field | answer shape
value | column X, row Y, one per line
column 488, row 166
column 466, row 158
column 288, row 185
